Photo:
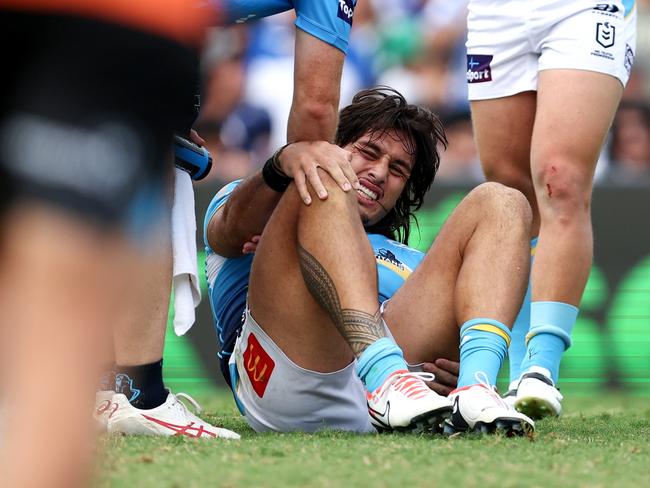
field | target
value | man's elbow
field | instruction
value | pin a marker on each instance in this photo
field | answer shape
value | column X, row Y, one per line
column 315, row 120
column 321, row 110
column 220, row 235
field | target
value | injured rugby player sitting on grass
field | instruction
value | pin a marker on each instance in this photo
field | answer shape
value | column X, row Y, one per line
column 322, row 311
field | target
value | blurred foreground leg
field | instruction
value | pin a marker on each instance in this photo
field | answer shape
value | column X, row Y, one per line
column 59, row 287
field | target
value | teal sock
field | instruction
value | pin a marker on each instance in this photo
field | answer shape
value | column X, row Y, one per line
column 380, row 359
column 483, row 347
column 551, row 324
column 517, row 349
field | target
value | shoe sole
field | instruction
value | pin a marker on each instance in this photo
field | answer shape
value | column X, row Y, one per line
column 535, row 408
column 426, row 423
column 510, row 427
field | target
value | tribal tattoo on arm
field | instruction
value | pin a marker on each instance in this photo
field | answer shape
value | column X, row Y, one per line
column 358, row 328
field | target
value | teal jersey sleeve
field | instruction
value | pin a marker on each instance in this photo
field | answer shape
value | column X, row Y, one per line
column 240, row 11
column 395, row 263
column 328, row 20
column 217, row 202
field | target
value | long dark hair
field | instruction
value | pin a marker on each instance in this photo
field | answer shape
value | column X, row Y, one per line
column 381, row 109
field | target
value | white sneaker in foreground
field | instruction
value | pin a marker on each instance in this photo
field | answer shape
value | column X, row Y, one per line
column 479, row 408
column 103, row 408
column 511, row 395
column 537, row 395
column 404, row 402
column 170, row 418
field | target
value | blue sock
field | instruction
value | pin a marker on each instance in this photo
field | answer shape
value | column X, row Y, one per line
column 483, row 347
column 551, row 324
column 380, row 359
column 517, row 349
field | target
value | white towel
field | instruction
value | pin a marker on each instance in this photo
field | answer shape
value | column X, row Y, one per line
column 187, row 291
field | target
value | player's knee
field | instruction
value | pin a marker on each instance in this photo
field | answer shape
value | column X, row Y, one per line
column 505, row 203
column 563, row 190
column 337, row 200
column 328, row 182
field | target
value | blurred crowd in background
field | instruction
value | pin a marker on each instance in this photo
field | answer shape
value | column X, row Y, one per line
column 415, row 46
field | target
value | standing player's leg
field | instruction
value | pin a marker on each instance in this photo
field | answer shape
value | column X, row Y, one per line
column 503, row 128
column 139, row 332
column 86, row 126
column 61, row 282
column 574, row 112
column 140, row 404
column 472, row 279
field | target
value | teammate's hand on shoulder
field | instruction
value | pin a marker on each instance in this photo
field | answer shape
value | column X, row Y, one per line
column 301, row 160
column 446, row 373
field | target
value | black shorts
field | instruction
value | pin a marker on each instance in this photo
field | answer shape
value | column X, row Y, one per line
column 87, row 113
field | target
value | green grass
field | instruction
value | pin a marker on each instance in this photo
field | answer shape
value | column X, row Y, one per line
column 598, row 442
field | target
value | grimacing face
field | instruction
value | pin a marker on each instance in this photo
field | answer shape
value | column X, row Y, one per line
column 383, row 167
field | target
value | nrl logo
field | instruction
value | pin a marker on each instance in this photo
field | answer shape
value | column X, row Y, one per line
column 605, row 34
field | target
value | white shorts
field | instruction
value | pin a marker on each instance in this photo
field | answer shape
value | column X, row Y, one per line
column 275, row 394
column 509, row 42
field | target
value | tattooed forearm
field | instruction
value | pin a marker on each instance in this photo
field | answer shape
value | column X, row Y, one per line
column 360, row 329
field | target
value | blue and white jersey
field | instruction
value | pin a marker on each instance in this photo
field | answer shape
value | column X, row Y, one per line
column 228, row 278
column 328, row 20
column 395, row 263
column 227, row 284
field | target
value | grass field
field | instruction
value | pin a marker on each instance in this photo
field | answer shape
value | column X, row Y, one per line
column 598, row 442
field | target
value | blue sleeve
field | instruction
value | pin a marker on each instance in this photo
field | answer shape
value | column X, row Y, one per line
column 328, row 20
column 240, row 11
column 217, row 202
